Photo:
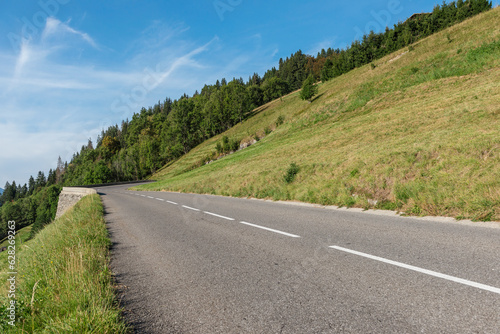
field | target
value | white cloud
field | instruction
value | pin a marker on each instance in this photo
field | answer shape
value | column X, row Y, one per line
column 24, row 153
column 54, row 27
column 55, row 101
column 24, row 56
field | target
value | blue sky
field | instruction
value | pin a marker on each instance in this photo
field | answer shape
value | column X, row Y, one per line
column 70, row 68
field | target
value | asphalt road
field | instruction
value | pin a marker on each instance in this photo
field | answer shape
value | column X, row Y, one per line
column 204, row 264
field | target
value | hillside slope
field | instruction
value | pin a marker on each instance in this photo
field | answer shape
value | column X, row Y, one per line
column 419, row 133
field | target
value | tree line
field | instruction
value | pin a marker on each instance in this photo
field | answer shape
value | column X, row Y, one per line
column 34, row 203
column 164, row 132
column 375, row 46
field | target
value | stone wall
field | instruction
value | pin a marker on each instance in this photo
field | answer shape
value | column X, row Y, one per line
column 70, row 196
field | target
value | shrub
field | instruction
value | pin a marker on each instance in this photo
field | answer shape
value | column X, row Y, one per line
column 235, row 145
column 227, row 145
column 280, row 120
column 218, row 147
column 291, row 172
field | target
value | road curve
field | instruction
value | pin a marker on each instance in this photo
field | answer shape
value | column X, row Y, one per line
column 205, row 264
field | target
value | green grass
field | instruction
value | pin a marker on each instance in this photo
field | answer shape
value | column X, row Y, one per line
column 420, row 134
column 64, row 284
column 22, row 236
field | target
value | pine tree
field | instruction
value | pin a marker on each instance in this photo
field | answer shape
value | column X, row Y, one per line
column 59, row 170
column 31, row 185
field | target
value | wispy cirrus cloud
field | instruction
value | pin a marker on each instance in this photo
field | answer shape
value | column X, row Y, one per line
column 56, row 28
column 55, row 101
column 64, row 87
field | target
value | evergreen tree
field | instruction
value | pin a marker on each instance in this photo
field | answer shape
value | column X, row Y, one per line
column 51, row 178
column 59, row 170
column 41, row 181
column 309, row 89
column 31, row 185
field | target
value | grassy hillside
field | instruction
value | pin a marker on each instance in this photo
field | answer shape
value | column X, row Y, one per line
column 22, row 236
column 419, row 133
column 63, row 283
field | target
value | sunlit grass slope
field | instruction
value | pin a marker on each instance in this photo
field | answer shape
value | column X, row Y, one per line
column 64, row 283
column 419, row 133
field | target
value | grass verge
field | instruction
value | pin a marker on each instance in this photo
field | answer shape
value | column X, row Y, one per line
column 63, row 282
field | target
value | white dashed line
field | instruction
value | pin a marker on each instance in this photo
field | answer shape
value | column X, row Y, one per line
column 190, row 208
column 228, row 218
column 216, row 215
column 271, row 230
column 421, row 270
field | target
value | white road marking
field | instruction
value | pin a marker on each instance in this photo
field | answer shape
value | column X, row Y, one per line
column 150, row 197
column 272, row 230
column 216, row 215
column 190, row 208
column 160, row 199
column 421, row 270
column 143, row 195
column 172, row 202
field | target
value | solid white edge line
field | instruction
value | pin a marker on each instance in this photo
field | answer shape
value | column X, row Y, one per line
column 421, row 270
column 216, row 215
column 172, row 202
column 190, row 208
column 271, row 230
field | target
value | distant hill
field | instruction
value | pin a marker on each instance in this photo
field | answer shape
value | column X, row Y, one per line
column 1, row 191
column 415, row 131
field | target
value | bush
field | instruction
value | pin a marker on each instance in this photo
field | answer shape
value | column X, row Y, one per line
column 291, row 172
column 280, row 120
column 218, row 147
column 235, row 145
column 227, row 145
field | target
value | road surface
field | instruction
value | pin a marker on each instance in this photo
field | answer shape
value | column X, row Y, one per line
column 190, row 263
